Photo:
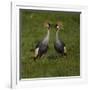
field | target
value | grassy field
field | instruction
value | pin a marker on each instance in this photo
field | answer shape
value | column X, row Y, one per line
column 32, row 30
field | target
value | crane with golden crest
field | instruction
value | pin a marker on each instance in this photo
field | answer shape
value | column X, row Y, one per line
column 59, row 45
column 42, row 46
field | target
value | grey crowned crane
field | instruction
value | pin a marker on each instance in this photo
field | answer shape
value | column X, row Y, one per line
column 59, row 45
column 42, row 46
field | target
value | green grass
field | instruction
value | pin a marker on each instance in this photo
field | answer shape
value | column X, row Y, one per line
column 51, row 65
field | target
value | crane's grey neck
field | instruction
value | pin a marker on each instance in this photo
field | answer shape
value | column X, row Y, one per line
column 57, row 37
column 46, row 39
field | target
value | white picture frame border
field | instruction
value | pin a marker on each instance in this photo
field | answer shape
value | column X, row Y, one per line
column 15, row 81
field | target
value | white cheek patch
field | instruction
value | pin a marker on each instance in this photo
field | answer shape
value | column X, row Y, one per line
column 36, row 52
column 57, row 26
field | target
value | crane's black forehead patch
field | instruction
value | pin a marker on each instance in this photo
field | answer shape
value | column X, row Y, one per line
column 56, row 25
column 49, row 24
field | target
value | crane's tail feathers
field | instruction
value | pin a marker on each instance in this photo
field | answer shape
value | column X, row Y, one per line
column 36, row 54
column 65, row 50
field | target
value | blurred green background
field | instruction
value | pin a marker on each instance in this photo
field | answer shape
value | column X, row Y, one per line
column 32, row 30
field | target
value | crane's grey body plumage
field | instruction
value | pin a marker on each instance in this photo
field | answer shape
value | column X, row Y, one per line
column 42, row 48
column 59, row 46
